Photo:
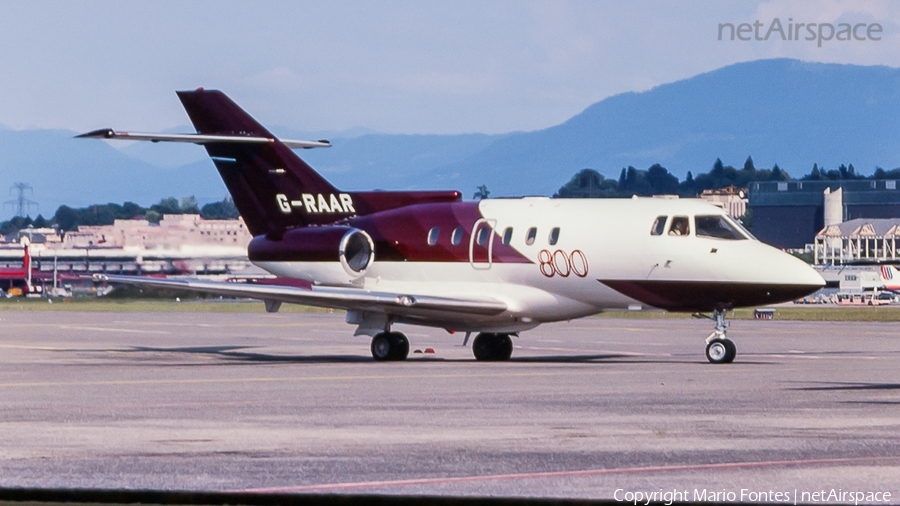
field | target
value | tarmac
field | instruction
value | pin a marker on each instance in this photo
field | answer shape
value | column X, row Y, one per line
column 597, row 408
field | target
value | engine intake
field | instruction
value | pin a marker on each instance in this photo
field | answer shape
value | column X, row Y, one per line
column 352, row 247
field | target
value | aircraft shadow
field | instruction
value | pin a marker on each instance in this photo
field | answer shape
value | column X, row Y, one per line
column 242, row 355
column 235, row 354
column 851, row 386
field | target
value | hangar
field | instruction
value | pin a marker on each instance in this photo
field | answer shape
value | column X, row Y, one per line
column 789, row 214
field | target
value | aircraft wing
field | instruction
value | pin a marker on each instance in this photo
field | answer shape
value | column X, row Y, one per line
column 331, row 297
column 109, row 133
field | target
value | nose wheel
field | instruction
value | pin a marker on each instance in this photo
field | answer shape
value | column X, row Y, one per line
column 719, row 349
column 390, row 346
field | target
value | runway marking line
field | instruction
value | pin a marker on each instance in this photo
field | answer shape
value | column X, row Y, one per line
column 308, row 378
column 109, row 329
column 25, row 347
column 566, row 474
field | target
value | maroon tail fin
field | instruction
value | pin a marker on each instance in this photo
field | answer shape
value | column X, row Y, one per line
column 271, row 186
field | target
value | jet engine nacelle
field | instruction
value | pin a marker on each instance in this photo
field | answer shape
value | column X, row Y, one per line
column 333, row 255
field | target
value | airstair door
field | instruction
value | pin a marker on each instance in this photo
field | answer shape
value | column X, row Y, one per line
column 481, row 244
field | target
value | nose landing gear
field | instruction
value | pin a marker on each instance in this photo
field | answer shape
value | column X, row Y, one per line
column 719, row 349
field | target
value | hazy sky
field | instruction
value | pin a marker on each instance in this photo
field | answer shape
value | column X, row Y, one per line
column 395, row 67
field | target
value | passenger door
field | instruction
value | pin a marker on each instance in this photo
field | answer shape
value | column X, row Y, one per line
column 481, row 244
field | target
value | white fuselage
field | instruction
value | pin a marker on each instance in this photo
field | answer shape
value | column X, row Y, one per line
column 598, row 241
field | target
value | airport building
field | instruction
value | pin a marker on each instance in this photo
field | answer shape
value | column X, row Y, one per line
column 731, row 198
column 859, row 241
column 790, row 214
column 179, row 244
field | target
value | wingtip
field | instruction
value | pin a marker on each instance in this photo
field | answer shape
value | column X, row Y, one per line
column 103, row 133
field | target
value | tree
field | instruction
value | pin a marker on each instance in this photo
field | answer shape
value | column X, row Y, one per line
column 482, row 193
column 748, row 165
column 718, row 170
column 224, row 210
column 168, row 205
column 776, row 173
column 588, row 183
column 67, row 218
column 660, row 181
column 15, row 224
column 635, row 183
column 189, row 205
column 815, row 175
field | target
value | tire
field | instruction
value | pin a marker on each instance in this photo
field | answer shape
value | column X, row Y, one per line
column 732, row 351
column 481, row 347
column 382, row 347
column 399, row 346
column 721, row 351
column 504, row 347
column 492, row 347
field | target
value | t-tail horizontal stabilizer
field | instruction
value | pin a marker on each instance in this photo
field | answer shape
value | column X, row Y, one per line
column 109, row 133
column 272, row 187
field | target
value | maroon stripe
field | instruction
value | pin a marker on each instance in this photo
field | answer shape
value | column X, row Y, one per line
column 693, row 296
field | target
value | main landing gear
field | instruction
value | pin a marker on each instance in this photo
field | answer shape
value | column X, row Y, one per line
column 719, row 349
column 492, row 347
column 392, row 346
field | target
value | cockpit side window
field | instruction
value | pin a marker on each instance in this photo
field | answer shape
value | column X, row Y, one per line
column 717, row 227
column 659, row 225
column 681, row 225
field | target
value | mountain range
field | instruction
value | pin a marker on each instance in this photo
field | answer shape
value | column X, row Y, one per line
column 781, row 111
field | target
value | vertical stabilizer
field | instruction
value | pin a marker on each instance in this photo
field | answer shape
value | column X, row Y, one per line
column 271, row 186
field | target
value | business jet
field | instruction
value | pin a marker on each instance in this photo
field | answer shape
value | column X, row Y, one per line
column 493, row 267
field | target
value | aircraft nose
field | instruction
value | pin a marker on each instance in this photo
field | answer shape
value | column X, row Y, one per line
column 801, row 273
column 793, row 277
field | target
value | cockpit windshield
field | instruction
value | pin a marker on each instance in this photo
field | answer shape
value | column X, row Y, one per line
column 718, row 227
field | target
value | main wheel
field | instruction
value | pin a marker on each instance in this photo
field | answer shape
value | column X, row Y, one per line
column 390, row 346
column 381, row 347
column 492, row 347
column 721, row 351
column 503, row 347
column 399, row 346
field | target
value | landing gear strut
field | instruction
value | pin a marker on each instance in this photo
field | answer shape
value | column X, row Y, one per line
column 719, row 349
column 492, row 347
column 390, row 346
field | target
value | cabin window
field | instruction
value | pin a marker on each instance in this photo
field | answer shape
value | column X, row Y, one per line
column 717, row 227
column 433, row 235
column 456, row 236
column 483, row 233
column 507, row 236
column 659, row 225
column 681, row 225
column 554, row 236
column 529, row 237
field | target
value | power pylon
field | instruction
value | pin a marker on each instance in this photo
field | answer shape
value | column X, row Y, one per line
column 23, row 205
